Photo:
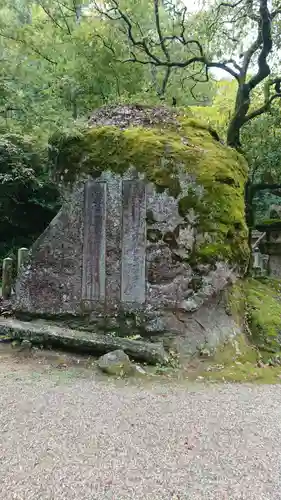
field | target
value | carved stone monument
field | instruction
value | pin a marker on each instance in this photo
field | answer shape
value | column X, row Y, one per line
column 123, row 253
column 104, row 252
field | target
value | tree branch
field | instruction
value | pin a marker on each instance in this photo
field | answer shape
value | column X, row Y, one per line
column 265, row 38
column 165, row 81
column 115, row 13
column 159, row 31
column 48, row 13
column 142, row 44
column 31, row 47
column 146, row 50
column 263, row 43
column 262, row 109
column 229, row 5
column 224, row 67
column 64, row 19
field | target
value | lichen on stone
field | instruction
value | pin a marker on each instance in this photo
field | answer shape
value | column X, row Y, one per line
column 164, row 145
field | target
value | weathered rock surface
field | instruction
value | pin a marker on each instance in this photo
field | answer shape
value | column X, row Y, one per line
column 153, row 231
column 116, row 363
column 42, row 333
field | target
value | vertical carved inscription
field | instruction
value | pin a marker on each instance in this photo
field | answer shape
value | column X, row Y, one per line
column 94, row 248
column 113, row 242
column 133, row 241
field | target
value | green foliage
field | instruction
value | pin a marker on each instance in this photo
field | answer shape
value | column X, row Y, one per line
column 56, row 68
column 219, row 112
column 263, row 149
column 28, row 200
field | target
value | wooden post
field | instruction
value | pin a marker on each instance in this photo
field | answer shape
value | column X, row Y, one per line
column 7, row 277
column 22, row 256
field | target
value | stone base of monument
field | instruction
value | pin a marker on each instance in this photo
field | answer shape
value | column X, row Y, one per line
column 42, row 333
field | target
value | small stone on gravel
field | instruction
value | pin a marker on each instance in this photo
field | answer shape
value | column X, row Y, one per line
column 116, row 363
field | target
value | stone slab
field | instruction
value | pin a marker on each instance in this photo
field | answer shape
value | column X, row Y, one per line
column 133, row 242
column 40, row 332
column 94, row 245
column 50, row 281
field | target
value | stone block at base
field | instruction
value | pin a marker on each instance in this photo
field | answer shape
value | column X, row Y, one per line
column 43, row 333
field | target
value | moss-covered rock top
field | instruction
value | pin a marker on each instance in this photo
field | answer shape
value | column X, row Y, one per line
column 162, row 145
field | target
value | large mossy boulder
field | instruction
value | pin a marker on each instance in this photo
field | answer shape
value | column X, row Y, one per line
column 152, row 234
column 167, row 148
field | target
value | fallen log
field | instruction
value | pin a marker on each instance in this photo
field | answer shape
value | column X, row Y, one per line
column 39, row 332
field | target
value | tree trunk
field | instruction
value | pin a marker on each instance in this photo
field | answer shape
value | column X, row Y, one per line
column 233, row 135
column 237, row 121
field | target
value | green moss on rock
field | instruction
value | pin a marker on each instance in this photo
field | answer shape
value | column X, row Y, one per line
column 255, row 354
column 237, row 350
column 257, row 304
column 263, row 309
column 162, row 152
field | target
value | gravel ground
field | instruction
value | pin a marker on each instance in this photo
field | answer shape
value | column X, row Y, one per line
column 67, row 437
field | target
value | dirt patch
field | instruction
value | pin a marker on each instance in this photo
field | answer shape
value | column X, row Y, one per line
column 13, row 359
